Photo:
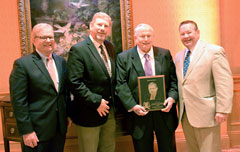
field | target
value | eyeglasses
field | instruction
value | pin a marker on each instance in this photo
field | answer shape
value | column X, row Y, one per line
column 45, row 38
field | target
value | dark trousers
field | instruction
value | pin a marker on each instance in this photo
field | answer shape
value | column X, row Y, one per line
column 165, row 137
column 56, row 144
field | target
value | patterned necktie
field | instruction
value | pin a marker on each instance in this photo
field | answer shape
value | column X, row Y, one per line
column 104, row 57
column 51, row 71
column 186, row 63
column 147, row 65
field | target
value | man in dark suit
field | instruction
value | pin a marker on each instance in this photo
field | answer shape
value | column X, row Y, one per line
column 152, row 89
column 91, row 74
column 146, row 60
column 38, row 94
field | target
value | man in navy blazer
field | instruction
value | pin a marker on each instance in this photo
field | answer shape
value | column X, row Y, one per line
column 143, row 124
column 91, row 75
column 38, row 99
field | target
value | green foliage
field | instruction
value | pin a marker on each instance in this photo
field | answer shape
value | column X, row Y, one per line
column 71, row 18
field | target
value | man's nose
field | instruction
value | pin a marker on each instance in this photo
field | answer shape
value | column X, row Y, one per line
column 146, row 38
column 185, row 35
column 48, row 39
column 102, row 27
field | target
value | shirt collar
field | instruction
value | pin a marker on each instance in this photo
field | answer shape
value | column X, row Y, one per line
column 44, row 58
column 96, row 44
column 42, row 55
column 141, row 53
column 194, row 50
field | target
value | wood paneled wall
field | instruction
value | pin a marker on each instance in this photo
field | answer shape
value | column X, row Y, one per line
column 234, row 118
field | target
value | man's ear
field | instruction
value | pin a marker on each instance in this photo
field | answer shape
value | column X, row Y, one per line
column 90, row 26
column 33, row 41
column 198, row 32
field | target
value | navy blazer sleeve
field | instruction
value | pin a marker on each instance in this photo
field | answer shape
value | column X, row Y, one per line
column 19, row 97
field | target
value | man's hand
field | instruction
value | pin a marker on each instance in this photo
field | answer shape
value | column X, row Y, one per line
column 221, row 117
column 139, row 110
column 30, row 139
column 168, row 103
column 103, row 109
column 69, row 122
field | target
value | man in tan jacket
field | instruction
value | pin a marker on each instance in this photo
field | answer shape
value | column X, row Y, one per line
column 205, row 89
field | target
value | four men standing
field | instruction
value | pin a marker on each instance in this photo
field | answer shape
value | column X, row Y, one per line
column 39, row 92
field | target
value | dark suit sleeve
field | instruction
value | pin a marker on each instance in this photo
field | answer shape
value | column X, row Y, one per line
column 19, row 98
column 122, row 88
column 66, row 91
column 173, row 88
column 76, row 71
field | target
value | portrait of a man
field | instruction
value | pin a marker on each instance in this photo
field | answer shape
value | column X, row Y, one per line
column 152, row 98
column 152, row 89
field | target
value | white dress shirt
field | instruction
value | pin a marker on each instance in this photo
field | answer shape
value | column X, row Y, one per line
column 96, row 44
column 44, row 58
column 151, row 54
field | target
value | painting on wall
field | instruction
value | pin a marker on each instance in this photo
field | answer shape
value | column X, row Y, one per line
column 70, row 20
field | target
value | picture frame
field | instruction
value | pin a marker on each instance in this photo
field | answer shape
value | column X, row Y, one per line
column 25, row 25
column 152, row 92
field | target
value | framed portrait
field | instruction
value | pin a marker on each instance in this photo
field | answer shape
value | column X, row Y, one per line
column 70, row 20
column 152, row 92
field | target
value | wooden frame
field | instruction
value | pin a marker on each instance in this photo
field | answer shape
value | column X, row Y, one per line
column 127, row 24
column 25, row 25
column 152, row 92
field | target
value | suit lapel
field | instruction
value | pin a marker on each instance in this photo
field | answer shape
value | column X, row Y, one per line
column 39, row 63
column 199, row 51
column 181, row 60
column 59, row 70
column 136, row 61
column 97, row 56
column 158, row 61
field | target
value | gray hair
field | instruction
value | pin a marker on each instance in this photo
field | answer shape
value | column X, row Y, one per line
column 142, row 26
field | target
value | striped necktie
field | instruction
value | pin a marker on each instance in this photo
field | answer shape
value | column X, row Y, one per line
column 104, row 57
column 186, row 63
